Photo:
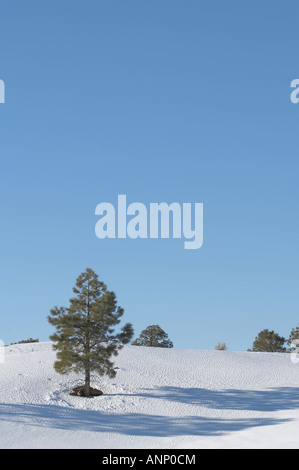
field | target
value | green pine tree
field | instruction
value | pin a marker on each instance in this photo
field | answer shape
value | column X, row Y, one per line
column 294, row 335
column 84, row 339
column 268, row 341
column 153, row 336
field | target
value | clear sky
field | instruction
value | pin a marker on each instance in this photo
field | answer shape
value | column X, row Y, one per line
column 172, row 100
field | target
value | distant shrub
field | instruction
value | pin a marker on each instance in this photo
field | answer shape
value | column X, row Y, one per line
column 24, row 341
column 220, row 346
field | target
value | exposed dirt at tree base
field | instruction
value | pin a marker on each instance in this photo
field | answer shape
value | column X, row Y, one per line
column 81, row 392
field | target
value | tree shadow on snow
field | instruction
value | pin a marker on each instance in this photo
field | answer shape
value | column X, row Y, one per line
column 273, row 399
column 58, row 417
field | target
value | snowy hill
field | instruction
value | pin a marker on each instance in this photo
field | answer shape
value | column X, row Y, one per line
column 160, row 398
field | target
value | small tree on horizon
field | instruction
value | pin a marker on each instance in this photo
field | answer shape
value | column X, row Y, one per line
column 84, row 338
column 153, row 336
column 268, row 341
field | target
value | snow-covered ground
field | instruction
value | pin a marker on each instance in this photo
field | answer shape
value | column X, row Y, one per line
column 160, row 398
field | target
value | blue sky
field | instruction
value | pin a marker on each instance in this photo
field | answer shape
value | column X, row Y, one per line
column 162, row 101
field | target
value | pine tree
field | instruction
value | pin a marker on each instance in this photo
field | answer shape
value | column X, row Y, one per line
column 268, row 341
column 84, row 339
column 294, row 335
column 153, row 336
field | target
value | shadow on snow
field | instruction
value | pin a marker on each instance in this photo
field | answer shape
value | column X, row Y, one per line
column 272, row 399
column 59, row 417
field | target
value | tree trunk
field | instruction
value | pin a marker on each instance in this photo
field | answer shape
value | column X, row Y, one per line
column 87, row 383
column 87, row 350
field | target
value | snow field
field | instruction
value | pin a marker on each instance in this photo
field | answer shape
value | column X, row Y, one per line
column 160, row 398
